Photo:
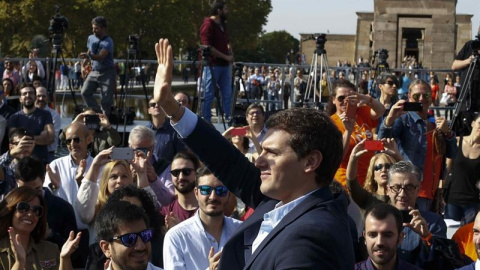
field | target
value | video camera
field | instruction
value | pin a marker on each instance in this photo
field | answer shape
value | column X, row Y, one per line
column 133, row 43
column 205, row 50
column 476, row 44
column 238, row 69
column 320, row 42
column 58, row 24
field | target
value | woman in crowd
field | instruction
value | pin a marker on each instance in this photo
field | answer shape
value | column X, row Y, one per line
column 33, row 68
column 354, row 128
column 375, row 186
column 463, row 196
column 140, row 197
column 241, row 142
column 388, row 84
column 11, row 93
column 23, row 226
column 116, row 173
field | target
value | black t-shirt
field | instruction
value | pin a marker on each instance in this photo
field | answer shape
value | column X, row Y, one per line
column 463, row 54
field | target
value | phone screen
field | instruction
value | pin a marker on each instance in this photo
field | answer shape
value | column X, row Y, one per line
column 412, row 106
column 92, row 121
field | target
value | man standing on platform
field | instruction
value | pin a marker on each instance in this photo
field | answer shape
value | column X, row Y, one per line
column 100, row 52
column 213, row 33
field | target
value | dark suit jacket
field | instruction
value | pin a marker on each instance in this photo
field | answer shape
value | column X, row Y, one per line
column 314, row 235
column 60, row 218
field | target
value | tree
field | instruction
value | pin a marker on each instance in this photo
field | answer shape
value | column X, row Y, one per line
column 275, row 45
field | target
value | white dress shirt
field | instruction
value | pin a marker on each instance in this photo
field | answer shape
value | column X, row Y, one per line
column 187, row 245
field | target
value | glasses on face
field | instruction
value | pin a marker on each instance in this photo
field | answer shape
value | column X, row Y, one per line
column 391, row 83
column 129, row 239
column 207, row 190
column 184, row 171
column 408, row 188
column 341, row 98
column 416, row 96
column 24, row 207
column 69, row 141
column 152, row 105
column 380, row 166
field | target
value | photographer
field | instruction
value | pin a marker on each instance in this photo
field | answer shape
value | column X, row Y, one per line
column 100, row 52
column 213, row 34
column 462, row 62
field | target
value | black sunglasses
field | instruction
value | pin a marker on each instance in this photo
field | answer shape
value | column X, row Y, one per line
column 380, row 166
column 391, row 83
column 341, row 98
column 185, row 171
column 207, row 190
column 129, row 239
column 152, row 105
column 24, row 207
column 69, row 141
column 417, row 96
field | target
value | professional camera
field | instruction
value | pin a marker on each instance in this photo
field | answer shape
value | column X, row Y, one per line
column 321, row 39
column 205, row 50
column 238, row 69
column 382, row 56
column 133, row 43
column 58, row 24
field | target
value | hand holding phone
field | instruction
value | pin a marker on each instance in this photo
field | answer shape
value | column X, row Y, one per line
column 374, row 145
column 406, row 216
column 92, row 121
column 242, row 131
column 122, row 153
column 351, row 110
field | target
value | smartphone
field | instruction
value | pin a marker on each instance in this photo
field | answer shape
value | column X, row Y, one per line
column 374, row 145
column 412, row 106
column 242, row 131
column 122, row 153
column 92, row 121
column 406, row 216
column 351, row 110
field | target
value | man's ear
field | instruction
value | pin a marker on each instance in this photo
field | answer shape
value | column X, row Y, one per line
column 400, row 238
column 105, row 246
column 89, row 138
column 313, row 161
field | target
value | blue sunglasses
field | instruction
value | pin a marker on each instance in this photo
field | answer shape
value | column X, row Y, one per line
column 130, row 239
column 207, row 190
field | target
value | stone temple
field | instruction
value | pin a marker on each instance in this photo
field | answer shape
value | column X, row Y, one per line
column 430, row 30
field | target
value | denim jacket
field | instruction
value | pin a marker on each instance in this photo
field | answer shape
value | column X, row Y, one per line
column 410, row 133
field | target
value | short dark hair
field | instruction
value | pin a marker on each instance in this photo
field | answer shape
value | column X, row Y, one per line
column 381, row 211
column 216, row 6
column 384, row 76
column 36, row 78
column 311, row 130
column 254, row 106
column 185, row 93
column 116, row 214
column 16, row 132
column 188, row 155
column 99, row 21
column 26, row 85
column 202, row 172
column 29, row 168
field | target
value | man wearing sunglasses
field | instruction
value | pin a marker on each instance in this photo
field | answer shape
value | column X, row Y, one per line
column 417, row 135
column 124, row 236
column 185, row 205
column 298, row 222
column 207, row 232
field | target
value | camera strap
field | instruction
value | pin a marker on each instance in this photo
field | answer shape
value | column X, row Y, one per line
column 95, row 50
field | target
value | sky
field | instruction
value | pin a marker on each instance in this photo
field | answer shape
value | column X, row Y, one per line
column 336, row 17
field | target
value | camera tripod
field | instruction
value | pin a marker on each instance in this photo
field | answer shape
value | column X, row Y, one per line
column 205, row 51
column 464, row 101
column 317, row 69
column 122, row 111
column 381, row 66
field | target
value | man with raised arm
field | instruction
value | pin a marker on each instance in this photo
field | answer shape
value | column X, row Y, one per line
column 298, row 222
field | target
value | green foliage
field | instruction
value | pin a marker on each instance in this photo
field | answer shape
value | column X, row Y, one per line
column 275, row 46
column 177, row 20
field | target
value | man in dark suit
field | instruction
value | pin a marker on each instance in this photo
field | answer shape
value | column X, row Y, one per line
column 476, row 241
column 60, row 216
column 298, row 223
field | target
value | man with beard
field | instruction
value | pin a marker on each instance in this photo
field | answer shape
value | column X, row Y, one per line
column 36, row 121
column 383, row 233
column 186, row 245
column 41, row 102
column 124, row 236
column 183, row 168
column 476, row 241
column 213, row 34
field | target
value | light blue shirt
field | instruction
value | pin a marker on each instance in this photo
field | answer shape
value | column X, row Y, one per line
column 187, row 245
column 272, row 218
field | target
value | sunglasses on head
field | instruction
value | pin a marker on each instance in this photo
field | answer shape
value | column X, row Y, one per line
column 152, row 105
column 184, row 171
column 207, row 190
column 380, row 166
column 69, row 141
column 24, row 207
column 341, row 98
column 417, row 96
column 129, row 239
